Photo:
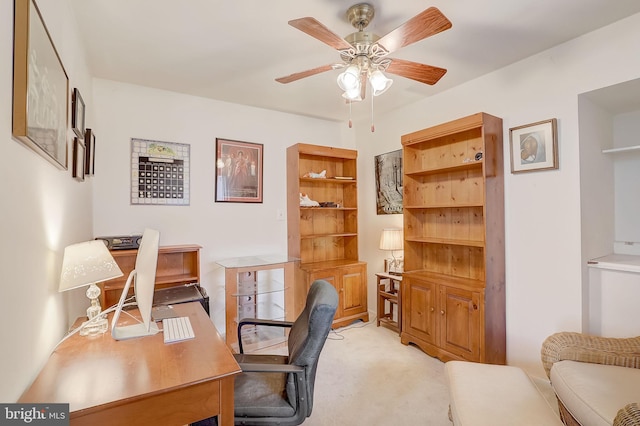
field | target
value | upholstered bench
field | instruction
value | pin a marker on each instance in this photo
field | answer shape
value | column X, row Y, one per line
column 495, row 395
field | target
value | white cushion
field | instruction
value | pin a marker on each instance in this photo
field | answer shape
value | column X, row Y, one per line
column 495, row 395
column 594, row 393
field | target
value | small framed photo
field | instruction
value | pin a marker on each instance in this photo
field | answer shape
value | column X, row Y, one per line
column 78, row 159
column 90, row 157
column 534, row 146
column 238, row 171
column 77, row 113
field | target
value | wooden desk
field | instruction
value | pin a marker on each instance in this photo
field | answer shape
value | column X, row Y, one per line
column 141, row 381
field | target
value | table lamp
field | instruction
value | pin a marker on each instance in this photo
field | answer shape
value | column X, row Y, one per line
column 85, row 264
column 391, row 240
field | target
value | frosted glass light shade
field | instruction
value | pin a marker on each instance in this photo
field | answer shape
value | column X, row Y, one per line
column 379, row 82
column 87, row 263
column 350, row 78
column 354, row 94
column 391, row 239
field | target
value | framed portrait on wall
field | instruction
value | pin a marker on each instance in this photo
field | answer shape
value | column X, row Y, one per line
column 238, row 171
column 534, row 146
column 388, row 170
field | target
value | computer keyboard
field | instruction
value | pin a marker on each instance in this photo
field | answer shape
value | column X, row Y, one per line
column 177, row 329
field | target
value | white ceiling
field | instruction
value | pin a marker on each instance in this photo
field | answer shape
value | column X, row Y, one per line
column 232, row 50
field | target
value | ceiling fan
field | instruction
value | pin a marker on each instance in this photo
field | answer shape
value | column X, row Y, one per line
column 364, row 54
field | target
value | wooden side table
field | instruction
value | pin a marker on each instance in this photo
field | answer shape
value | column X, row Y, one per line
column 389, row 294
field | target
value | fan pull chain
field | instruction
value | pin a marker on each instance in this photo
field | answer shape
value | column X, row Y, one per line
column 350, row 122
column 373, row 127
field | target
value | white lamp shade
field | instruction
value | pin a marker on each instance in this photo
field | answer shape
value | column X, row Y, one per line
column 379, row 82
column 391, row 239
column 87, row 263
column 350, row 78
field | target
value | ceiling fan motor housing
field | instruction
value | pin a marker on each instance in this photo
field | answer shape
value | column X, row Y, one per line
column 360, row 15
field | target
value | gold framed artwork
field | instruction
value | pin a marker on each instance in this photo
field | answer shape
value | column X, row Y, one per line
column 534, row 146
column 40, row 87
column 238, row 171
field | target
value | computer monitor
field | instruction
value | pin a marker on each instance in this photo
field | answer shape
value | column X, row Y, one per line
column 144, row 281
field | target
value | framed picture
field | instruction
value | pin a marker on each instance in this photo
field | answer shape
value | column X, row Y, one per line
column 77, row 114
column 388, row 170
column 90, row 158
column 79, row 157
column 160, row 173
column 534, row 146
column 40, row 87
column 238, row 171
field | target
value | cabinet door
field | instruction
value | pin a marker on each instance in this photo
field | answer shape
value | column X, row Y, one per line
column 351, row 284
column 353, row 290
column 460, row 327
column 419, row 309
column 332, row 276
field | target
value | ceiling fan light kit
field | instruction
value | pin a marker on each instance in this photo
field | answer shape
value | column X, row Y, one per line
column 364, row 54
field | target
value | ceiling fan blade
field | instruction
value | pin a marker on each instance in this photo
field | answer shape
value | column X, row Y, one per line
column 427, row 23
column 419, row 72
column 307, row 73
column 316, row 30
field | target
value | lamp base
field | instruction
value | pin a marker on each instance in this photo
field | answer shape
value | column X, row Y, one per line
column 92, row 328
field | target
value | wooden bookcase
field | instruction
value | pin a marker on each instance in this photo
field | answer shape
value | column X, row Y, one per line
column 325, row 239
column 177, row 265
column 453, row 290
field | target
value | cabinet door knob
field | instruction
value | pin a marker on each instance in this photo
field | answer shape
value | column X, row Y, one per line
column 433, row 309
column 441, row 312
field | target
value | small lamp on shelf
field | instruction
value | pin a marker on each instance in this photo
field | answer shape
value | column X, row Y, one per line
column 391, row 240
column 86, row 264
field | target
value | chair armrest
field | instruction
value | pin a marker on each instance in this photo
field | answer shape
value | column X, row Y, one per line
column 296, row 389
column 262, row 322
column 624, row 352
column 628, row 416
column 249, row 367
column 259, row 321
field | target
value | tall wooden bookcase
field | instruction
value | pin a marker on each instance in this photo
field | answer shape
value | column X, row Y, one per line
column 325, row 239
column 453, row 289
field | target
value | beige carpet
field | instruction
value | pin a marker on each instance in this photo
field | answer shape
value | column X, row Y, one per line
column 367, row 377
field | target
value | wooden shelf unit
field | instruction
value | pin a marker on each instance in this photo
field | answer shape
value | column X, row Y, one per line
column 177, row 265
column 325, row 239
column 454, row 270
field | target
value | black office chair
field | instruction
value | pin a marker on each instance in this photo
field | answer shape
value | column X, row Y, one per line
column 276, row 389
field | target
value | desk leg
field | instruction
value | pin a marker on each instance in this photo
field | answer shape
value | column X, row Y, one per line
column 226, row 402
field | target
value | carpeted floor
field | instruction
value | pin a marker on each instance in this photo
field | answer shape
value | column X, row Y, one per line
column 367, row 377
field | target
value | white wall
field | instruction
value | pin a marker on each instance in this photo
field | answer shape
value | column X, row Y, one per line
column 223, row 230
column 626, row 133
column 43, row 210
column 596, row 193
column 543, row 231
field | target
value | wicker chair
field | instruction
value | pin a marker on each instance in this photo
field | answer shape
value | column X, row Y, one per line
column 624, row 352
